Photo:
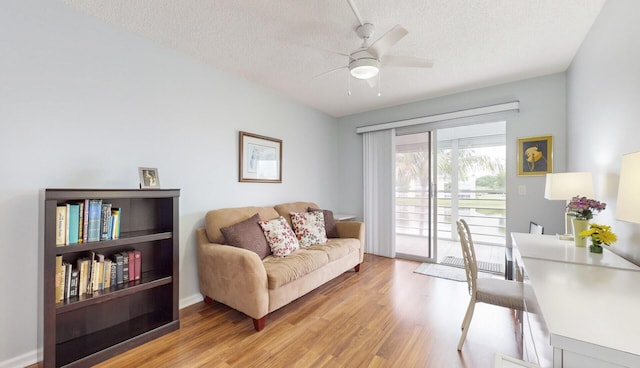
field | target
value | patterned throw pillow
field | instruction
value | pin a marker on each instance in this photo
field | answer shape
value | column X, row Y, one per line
column 329, row 222
column 281, row 238
column 309, row 227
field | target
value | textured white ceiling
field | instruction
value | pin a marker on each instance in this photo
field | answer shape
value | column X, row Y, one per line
column 283, row 44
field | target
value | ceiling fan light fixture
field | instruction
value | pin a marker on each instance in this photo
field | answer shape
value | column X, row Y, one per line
column 364, row 68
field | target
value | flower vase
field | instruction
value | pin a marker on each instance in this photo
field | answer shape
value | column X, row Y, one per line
column 578, row 226
column 595, row 247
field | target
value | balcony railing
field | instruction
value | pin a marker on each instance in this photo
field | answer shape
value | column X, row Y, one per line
column 484, row 211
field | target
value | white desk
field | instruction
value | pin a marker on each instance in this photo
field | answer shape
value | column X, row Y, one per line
column 343, row 217
column 590, row 303
column 549, row 247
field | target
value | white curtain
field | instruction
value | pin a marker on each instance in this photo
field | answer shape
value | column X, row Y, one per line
column 379, row 178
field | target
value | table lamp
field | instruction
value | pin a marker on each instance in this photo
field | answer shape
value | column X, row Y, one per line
column 564, row 186
column 629, row 189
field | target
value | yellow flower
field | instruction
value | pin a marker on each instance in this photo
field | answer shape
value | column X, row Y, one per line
column 600, row 234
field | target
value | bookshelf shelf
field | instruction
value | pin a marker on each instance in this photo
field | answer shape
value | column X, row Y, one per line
column 91, row 327
column 88, row 349
column 111, row 293
column 125, row 239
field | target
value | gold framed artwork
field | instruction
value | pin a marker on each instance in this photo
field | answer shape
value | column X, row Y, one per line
column 535, row 156
column 260, row 159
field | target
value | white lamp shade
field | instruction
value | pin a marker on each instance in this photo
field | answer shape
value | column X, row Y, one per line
column 564, row 186
column 628, row 207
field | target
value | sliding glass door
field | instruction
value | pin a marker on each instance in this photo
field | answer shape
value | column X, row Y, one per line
column 443, row 175
column 414, row 202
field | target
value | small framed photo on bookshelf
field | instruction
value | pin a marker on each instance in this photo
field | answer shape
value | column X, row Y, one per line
column 149, row 178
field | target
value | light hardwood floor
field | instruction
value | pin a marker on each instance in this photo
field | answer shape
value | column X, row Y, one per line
column 384, row 316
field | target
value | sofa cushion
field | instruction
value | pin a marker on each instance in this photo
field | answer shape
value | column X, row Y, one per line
column 337, row 248
column 285, row 209
column 309, row 227
column 280, row 237
column 281, row 271
column 248, row 235
column 216, row 219
column 329, row 222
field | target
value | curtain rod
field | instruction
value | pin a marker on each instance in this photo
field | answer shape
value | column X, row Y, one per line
column 476, row 111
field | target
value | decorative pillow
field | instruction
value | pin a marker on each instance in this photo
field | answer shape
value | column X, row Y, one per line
column 281, row 238
column 248, row 235
column 309, row 227
column 329, row 222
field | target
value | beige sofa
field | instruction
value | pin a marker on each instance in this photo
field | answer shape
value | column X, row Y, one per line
column 238, row 277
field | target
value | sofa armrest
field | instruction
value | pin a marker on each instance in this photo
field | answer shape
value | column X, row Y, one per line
column 233, row 276
column 352, row 229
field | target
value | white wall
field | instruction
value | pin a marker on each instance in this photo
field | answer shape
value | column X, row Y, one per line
column 603, row 112
column 83, row 104
column 542, row 112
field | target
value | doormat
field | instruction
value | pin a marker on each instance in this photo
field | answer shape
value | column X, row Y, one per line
column 495, row 268
column 445, row 272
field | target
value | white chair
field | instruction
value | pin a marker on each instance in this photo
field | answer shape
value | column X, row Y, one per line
column 535, row 228
column 504, row 293
column 503, row 361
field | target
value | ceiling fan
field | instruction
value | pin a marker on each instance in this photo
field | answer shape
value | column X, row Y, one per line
column 366, row 61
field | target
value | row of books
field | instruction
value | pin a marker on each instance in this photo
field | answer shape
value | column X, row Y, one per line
column 96, row 273
column 86, row 221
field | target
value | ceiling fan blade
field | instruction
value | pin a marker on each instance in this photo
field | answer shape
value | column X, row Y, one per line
column 329, row 72
column 406, row 61
column 330, row 51
column 384, row 43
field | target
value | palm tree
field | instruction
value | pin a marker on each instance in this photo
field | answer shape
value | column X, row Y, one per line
column 468, row 162
column 414, row 165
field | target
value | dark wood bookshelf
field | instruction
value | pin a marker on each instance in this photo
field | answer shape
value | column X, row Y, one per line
column 84, row 330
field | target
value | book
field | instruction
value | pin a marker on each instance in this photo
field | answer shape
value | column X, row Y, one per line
column 82, row 265
column 115, row 222
column 137, row 256
column 125, row 267
column 59, row 280
column 92, row 281
column 95, row 211
column 61, row 225
column 94, row 276
column 67, row 279
column 80, row 221
column 73, row 218
column 107, row 274
column 113, row 271
column 119, row 262
column 105, row 221
column 85, row 222
column 74, row 286
column 89, row 289
column 132, row 265
column 99, row 282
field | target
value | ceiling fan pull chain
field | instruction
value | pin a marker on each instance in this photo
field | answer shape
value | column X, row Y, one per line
column 379, row 78
column 349, row 84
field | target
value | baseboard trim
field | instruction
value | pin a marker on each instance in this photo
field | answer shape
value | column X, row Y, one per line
column 31, row 357
column 190, row 300
column 23, row 360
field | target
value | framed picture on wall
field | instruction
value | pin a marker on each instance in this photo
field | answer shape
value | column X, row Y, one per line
column 149, row 178
column 260, row 159
column 535, row 155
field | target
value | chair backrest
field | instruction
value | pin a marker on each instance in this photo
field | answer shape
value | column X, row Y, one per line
column 535, row 228
column 468, row 254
